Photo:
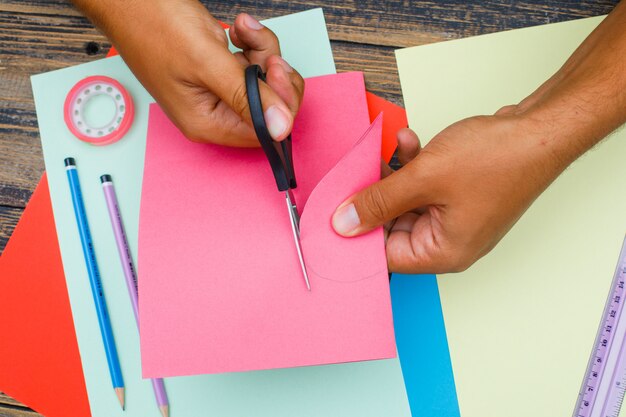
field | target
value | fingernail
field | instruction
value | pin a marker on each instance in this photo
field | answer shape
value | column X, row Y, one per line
column 277, row 121
column 346, row 220
column 251, row 22
column 284, row 64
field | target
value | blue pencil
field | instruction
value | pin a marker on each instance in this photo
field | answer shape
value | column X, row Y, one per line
column 94, row 280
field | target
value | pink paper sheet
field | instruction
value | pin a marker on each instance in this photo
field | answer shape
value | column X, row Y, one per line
column 220, row 284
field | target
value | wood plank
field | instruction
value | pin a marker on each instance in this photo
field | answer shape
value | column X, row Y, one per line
column 21, row 161
column 400, row 23
column 6, row 400
column 36, row 37
column 377, row 62
column 9, row 217
column 17, row 412
column 12, row 408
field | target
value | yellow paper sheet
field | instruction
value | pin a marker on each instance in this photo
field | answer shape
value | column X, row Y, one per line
column 522, row 321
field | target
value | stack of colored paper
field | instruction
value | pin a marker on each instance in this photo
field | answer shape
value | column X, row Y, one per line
column 348, row 389
column 221, row 293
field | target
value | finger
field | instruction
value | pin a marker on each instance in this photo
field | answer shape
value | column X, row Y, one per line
column 257, row 42
column 286, row 82
column 278, row 116
column 294, row 76
column 411, row 248
column 385, row 169
column 220, row 126
column 227, row 81
column 241, row 58
column 387, row 228
column 408, row 145
column 401, row 254
column 382, row 201
column 232, row 35
column 405, row 222
column 399, row 245
column 260, row 46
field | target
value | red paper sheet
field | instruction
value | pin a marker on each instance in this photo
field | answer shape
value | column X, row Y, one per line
column 39, row 360
column 394, row 119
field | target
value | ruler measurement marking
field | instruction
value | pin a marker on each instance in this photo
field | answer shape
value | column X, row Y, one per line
column 589, row 402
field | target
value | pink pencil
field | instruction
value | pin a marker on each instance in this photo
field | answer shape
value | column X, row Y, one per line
column 130, row 274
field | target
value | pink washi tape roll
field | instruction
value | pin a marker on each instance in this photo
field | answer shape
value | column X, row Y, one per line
column 87, row 89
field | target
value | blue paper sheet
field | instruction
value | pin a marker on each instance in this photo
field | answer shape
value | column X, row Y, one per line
column 423, row 346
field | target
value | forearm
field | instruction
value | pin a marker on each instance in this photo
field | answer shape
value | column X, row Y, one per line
column 132, row 25
column 586, row 99
column 110, row 16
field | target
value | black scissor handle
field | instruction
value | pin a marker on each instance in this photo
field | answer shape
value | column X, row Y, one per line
column 278, row 153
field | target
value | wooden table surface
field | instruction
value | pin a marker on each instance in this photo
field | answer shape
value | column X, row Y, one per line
column 39, row 36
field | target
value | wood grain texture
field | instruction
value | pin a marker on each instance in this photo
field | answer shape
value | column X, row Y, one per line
column 38, row 36
column 6, row 400
column 9, row 411
column 11, row 408
column 18, row 412
column 35, row 37
column 9, row 217
column 400, row 23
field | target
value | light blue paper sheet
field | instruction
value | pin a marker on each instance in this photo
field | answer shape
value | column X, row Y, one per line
column 357, row 389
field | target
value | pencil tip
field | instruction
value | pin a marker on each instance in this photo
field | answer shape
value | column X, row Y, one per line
column 165, row 410
column 120, row 396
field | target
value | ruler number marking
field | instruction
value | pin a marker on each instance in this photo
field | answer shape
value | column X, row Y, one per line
column 597, row 372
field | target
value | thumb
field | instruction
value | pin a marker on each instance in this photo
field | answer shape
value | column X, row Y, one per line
column 381, row 202
column 278, row 117
column 228, row 82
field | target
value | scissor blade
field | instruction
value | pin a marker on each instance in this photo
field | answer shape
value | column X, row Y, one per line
column 295, row 227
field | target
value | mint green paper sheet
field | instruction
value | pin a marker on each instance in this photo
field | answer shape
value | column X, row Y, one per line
column 521, row 322
column 356, row 389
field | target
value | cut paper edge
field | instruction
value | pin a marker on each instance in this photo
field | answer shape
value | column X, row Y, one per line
column 375, row 124
column 320, row 205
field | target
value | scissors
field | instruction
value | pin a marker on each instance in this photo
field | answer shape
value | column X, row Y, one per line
column 279, row 156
